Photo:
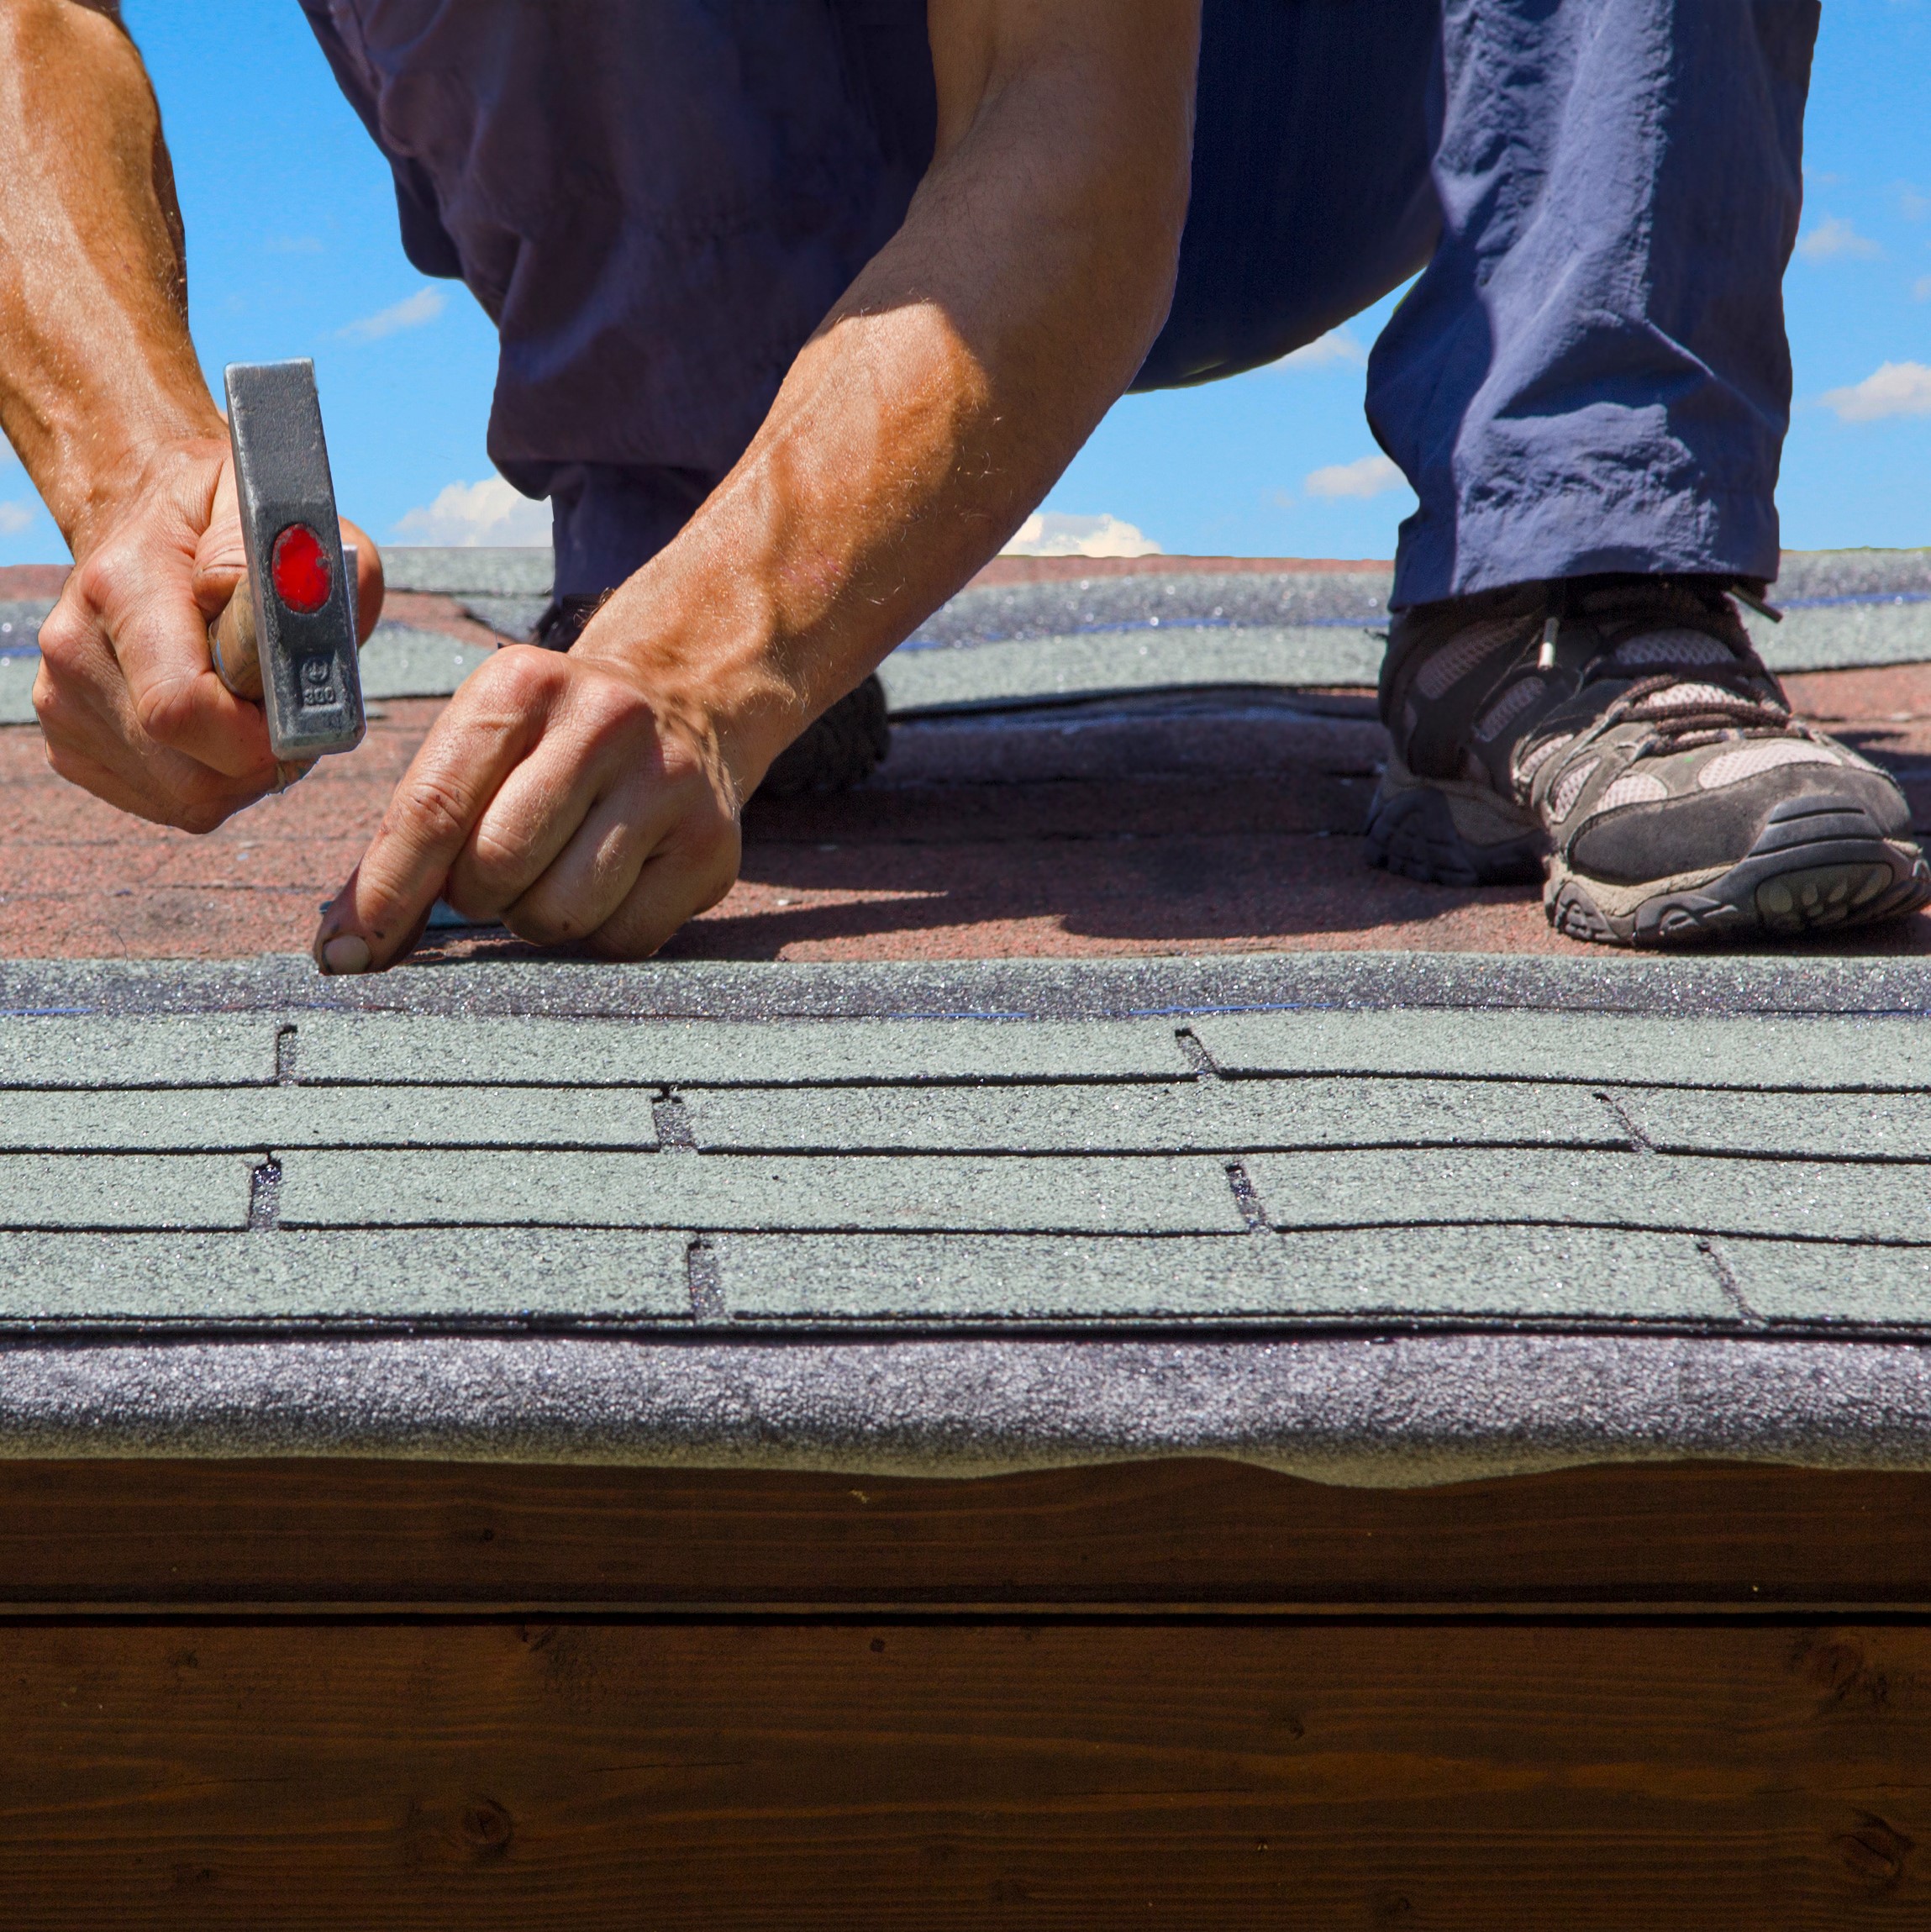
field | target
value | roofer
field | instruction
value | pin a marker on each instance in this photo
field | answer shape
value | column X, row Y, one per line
column 804, row 304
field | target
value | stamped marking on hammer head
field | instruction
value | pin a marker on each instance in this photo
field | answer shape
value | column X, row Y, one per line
column 289, row 635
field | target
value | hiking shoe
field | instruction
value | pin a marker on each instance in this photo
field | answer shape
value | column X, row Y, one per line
column 1621, row 737
column 832, row 753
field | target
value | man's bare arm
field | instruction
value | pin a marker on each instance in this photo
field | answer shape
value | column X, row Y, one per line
column 95, row 363
column 960, row 374
column 102, row 394
column 595, row 797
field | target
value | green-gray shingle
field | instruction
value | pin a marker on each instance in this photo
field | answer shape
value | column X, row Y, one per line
column 284, row 1117
column 1790, row 1281
column 1499, row 1273
column 354, row 1275
column 1605, row 1049
column 1819, row 1126
column 385, row 1049
column 1809, row 1199
column 99, row 1051
column 127, row 1191
column 1205, row 1116
column 1074, row 1195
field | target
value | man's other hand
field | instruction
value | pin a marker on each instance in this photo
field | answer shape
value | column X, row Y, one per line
column 592, row 798
column 127, row 693
column 554, row 795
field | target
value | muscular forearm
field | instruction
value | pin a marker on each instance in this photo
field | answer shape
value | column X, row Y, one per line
column 97, row 368
column 957, row 377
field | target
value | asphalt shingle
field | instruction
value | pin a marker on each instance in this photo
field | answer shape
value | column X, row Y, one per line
column 1606, row 1049
column 400, row 1116
column 381, row 1050
column 1207, row 1116
column 127, row 1191
column 1808, row 1200
column 459, row 1277
column 1156, row 1195
column 98, row 1052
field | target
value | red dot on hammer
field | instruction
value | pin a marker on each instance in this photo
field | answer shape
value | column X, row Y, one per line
column 299, row 567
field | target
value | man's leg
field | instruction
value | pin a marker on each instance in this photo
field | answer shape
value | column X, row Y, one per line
column 1591, row 375
column 1312, row 197
column 1588, row 389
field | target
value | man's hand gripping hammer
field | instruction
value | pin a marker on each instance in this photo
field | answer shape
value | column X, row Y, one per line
column 287, row 638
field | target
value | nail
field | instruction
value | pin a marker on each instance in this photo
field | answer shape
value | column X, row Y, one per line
column 346, row 953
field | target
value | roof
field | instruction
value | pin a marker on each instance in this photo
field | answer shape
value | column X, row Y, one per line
column 1070, row 1092
column 1385, row 1220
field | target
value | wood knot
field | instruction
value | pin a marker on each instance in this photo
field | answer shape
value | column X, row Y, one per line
column 487, row 1828
column 1876, row 1851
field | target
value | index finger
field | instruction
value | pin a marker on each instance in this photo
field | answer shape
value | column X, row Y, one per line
column 472, row 748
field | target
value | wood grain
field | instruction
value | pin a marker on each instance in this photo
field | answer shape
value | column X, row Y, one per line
column 1177, row 1535
column 855, row 1775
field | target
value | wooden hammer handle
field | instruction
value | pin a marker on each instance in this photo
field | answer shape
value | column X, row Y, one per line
column 233, row 643
column 232, row 638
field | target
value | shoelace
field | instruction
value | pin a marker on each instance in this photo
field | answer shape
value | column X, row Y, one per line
column 1744, row 714
column 1723, row 704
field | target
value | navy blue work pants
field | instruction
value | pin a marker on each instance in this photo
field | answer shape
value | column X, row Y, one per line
column 657, row 204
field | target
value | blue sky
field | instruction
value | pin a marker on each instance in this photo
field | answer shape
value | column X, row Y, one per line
column 294, row 251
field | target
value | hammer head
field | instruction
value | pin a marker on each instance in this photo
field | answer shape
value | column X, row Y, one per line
column 303, row 596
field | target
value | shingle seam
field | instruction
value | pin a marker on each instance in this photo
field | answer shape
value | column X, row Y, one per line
column 265, row 1197
column 705, row 1275
column 1727, row 1279
column 1639, row 1141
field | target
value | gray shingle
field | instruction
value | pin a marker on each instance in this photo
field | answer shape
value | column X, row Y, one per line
column 1510, row 1274
column 1843, row 636
column 1476, row 1186
column 401, row 661
column 1057, row 669
column 1498, row 1273
column 1071, row 1195
column 451, row 1275
column 1791, row 1281
column 17, row 676
column 485, row 569
column 1819, row 1126
column 125, row 1191
column 386, row 1049
column 1203, row 1116
column 282, row 1117
column 1611, row 1048
column 100, row 1052
column 839, row 1277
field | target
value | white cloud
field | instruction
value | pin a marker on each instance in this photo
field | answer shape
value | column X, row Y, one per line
column 1895, row 389
column 1050, row 534
column 465, row 514
column 1911, row 204
column 15, row 518
column 1368, row 477
column 425, row 305
column 1921, row 288
column 1336, row 348
column 1835, row 240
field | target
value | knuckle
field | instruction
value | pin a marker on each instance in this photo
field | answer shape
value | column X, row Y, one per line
column 65, row 637
column 164, row 710
column 430, row 807
column 110, row 573
column 519, row 675
column 543, row 922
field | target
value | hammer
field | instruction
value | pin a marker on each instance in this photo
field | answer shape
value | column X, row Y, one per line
column 287, row 638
